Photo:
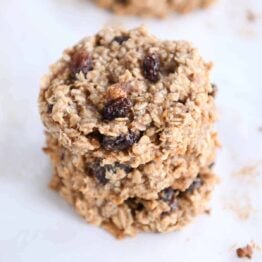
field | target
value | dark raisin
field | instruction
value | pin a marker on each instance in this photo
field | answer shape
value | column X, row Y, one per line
column 197, row 183
column 125, row 167
column 151, row 67
column 120, row 107
column 211, row 165
column 134, row 205
column 122, row 142
column 81, row 62
column 50, row 108
column 167, row 194
column 123, row 2
column 98, row 172
column 95, row 135
column 214, row 90
column 173, row 204
column 62, row 156
column 121, row 39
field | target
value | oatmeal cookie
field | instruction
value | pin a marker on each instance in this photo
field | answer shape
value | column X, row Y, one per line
column 156, row 8
column 116, row 197
column 128, row 116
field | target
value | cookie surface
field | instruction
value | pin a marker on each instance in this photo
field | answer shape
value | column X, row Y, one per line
column 157, row 8
column 128, row 116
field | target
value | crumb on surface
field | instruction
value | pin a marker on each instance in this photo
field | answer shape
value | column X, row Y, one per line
column 247, row 170
column 208, row 211
column 260, row 129
column 250, row 15
column 245, row 252
column 241, row 206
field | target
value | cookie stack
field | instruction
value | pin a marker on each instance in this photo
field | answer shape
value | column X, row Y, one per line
column 129, row 126
column 155, row 8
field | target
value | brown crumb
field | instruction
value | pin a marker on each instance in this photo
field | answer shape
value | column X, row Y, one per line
column 246, row 251
column 250, row 15
column 247, row 170
column 241, row 206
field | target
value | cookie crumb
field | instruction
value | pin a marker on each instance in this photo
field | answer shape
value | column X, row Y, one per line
column 241, row 206
column 208, row 211
column 245, row 171
column 245, row 252
column 250, row 15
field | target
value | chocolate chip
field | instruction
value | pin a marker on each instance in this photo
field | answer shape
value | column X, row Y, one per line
column 167, row 194
column 50, row 108
column 121, row 39
column 120, row 107
column 120, row 143
column 81, row 62
column 98, row 172
column 197, row 183
column 151, row 67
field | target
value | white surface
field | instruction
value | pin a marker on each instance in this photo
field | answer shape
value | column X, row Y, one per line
column 36, row 224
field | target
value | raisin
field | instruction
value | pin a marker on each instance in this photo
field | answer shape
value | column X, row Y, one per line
column 120, row 39
column 123, row 2
column 211, row 165
column 122, row 142
column 173, row 204
column 81, row 62
column 95, row 135
column 120, row 107
column 50, row 108
column 197, row 183
column 167, row 194
column 98, row 172
column 125, row 167
column 214, row 90
column 134, row 205
column 151, row 67
column 62, row 156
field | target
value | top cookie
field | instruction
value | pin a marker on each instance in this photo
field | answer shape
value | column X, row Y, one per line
column 157, row 8
column 126, row 96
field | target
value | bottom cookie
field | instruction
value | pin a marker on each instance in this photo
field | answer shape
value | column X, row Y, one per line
column 170, row 210
column 153, row 7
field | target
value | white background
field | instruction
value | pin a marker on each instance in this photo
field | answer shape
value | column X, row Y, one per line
column 37, row 225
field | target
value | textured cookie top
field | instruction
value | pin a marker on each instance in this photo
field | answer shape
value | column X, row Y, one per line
column 158, row 8
column 126, row 92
